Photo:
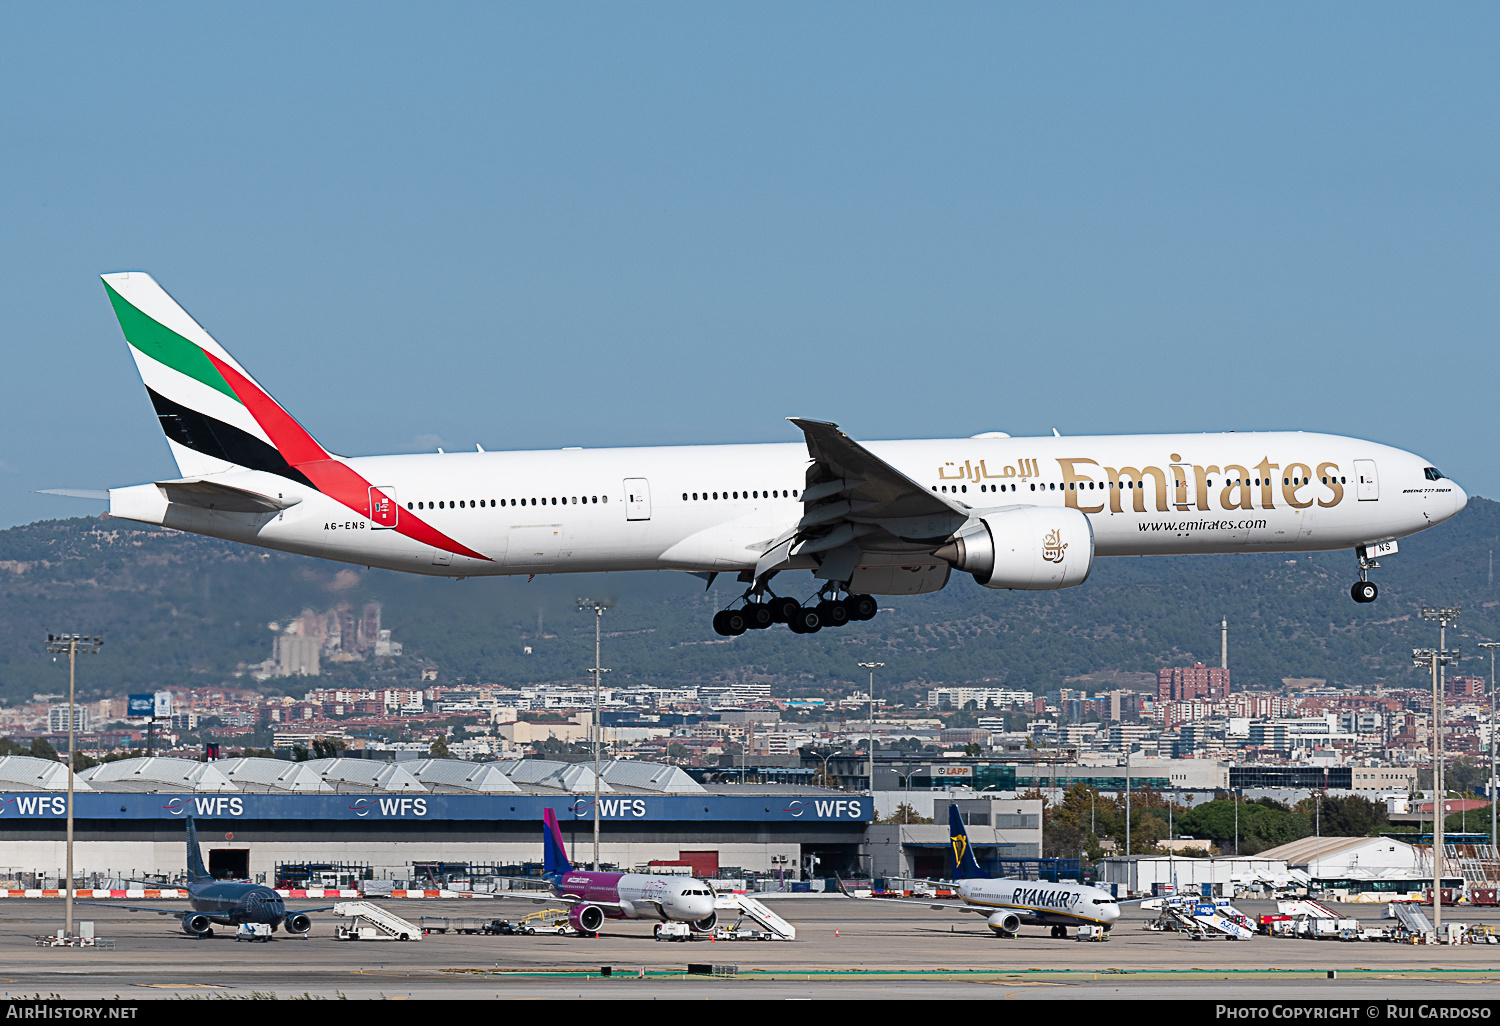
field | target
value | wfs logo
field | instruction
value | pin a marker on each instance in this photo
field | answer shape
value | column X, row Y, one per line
column 398, row 807
column 207, row 807
column 843, row 808
column 37, row 805
column 615, row 808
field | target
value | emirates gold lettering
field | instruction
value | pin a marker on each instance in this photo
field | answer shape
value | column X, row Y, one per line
column 1191, row 485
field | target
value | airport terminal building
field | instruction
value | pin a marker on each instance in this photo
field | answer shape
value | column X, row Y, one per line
column 395, row 820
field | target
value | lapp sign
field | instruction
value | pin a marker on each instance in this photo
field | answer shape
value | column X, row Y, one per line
column 393, row 807
column 841, row 808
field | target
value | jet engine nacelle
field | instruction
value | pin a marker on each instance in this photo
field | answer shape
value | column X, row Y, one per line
column 706, row 924
column 1029, row 548
column 197, row 925
column 1004, row 922
column 586, row 919
column 298, row 922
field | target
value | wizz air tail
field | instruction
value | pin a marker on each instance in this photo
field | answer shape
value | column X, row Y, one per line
column 554, row 854
column 195, row 868
column 965, row 865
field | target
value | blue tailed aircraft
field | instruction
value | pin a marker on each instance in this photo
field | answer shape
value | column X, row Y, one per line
column 226, row 902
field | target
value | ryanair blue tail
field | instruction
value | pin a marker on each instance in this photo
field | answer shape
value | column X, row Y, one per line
column 554, row 854
column 965, row 865
column 195, row 868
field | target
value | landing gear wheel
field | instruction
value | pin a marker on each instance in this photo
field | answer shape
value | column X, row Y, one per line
column 783, row 609
column 833, row 614
column 861, row 607
column 757, row 616
column 735, row 620
column 720, row 627
column 1059, row 931
column 807, row 621
column 1364, row 591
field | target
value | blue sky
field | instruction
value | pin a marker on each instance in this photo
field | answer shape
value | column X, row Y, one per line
column 534, row 226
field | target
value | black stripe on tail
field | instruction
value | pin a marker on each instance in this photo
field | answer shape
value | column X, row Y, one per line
column 222, row 441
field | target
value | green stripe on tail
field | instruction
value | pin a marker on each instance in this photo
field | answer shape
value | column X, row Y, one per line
column 165, row 346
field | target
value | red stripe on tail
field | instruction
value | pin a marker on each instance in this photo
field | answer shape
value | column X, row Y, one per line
column 331, row 477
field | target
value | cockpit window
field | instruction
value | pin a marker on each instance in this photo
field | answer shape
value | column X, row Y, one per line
column 1433, row 474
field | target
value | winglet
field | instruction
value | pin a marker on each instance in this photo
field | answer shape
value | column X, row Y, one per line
column 842, row 889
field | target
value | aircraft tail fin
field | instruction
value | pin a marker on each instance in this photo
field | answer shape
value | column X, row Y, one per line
column 195, row 868
column 965, row 865
column 214, row 414
column 554, row 853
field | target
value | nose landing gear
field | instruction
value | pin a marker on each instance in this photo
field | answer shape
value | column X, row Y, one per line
column 1364, row 589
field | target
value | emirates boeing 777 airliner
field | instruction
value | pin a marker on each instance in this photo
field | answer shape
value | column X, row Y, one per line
column 883, row 518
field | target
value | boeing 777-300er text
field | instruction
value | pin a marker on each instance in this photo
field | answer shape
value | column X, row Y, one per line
column 214, row 902
column 1008, row 904
column 593, row 897
column 884, row 518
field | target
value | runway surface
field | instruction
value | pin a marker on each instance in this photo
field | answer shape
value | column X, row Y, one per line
column 844, row 949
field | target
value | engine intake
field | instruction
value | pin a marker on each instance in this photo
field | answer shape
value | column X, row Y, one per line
column 298, row 922
column 197, row 925
column 706, row 924
column 1004, row 922
column 586, row 919
column 1030, row 548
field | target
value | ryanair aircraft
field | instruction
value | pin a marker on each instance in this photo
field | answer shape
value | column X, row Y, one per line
column 884, row 518
column 1008, row 904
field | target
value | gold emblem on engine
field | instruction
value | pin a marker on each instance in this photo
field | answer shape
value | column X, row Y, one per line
column 1053, row 547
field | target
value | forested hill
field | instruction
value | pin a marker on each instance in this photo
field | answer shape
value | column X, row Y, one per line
column 176, row 609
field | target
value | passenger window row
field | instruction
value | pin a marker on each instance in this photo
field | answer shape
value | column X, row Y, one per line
column 754, row 494
column 564, row 500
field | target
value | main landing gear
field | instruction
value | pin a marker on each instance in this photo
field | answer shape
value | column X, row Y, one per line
column 1060, row 932
column 828, row 611
column 1364, row 589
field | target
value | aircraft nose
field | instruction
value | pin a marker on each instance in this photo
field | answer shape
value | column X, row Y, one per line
column 1460, row 498
column 1111, row 913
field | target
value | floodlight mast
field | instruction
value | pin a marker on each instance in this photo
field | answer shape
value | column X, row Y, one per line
column 1435, row 658
column 872, row 667
column 1492, row 645
column 72, row 644
column 598, row 606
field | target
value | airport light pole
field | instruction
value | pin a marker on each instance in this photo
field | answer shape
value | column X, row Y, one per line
column 72, row 644
column 1435, row 658
column 1492, row 645
column 872, row 667
column 598, row 606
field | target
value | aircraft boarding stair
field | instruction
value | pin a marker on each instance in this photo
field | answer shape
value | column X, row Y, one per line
column 757, row 913
column 1306, row 907
column 371, row 922
column 1412, row 919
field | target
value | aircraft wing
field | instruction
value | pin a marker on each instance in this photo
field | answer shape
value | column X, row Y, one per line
column 303, row 911
column 855, row 501
column 934, row 905
column 546, row 898
column 178, row 912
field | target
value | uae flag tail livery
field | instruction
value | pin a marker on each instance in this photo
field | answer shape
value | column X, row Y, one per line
column 219, row 420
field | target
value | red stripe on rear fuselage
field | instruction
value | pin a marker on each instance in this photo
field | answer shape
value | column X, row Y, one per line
column 331, row 477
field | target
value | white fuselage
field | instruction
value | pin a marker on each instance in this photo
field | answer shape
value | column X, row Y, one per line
column 717, row 508
column 1054, row 904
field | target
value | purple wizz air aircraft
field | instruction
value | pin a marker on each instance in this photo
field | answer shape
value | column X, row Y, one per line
column 593, row 897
